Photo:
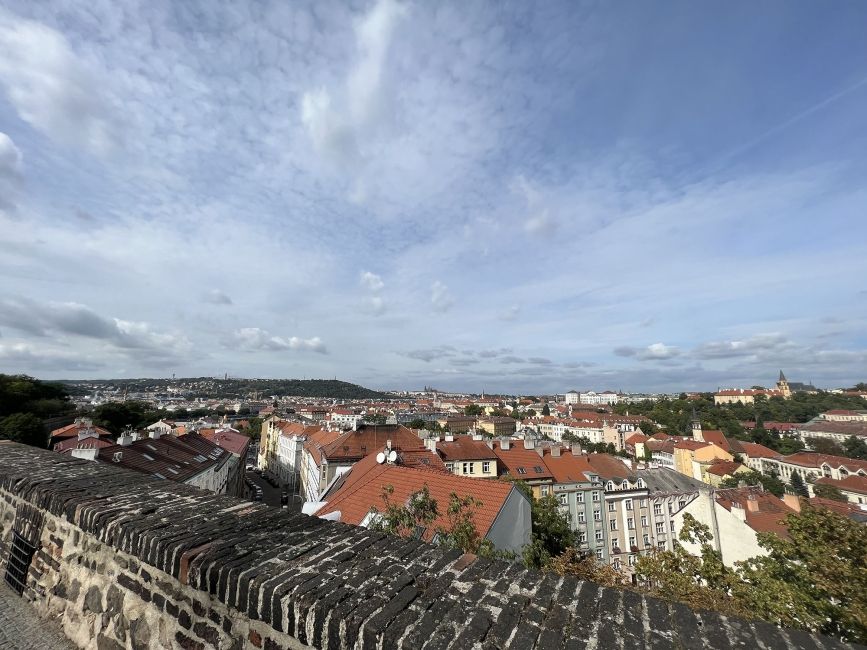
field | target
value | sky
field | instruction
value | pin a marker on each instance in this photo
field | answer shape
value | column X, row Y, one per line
column 498, row 196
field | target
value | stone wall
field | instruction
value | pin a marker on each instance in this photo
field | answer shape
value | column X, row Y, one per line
column 126, row 561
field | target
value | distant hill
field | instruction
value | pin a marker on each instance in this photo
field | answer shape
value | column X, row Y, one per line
column 231, row 388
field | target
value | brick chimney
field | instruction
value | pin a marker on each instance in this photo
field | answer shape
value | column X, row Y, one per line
column 529, row 443
column 555, row 451
column 752, row 503
column 576, row 449
column 793, row 501
column 504, row 444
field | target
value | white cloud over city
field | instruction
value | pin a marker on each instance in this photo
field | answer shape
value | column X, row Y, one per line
column 404, row 194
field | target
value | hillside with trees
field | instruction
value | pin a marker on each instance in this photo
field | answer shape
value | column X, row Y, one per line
column 231, row 388
column 24, row 403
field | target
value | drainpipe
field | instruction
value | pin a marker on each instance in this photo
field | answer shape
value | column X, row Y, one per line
column 714, row 523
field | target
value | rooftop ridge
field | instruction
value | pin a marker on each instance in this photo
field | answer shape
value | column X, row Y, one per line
column 327, row 584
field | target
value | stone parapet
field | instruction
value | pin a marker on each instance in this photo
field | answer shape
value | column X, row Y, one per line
column 128, row 561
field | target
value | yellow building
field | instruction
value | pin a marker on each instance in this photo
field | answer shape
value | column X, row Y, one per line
column 693, row 458
column 498, row 426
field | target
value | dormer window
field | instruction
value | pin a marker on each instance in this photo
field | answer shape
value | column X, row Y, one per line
column 640, row 483
column 625, row 485
column 609, row 485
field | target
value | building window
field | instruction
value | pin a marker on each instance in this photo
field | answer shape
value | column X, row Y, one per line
column 657, row 508
column 631, row 560
column 630, row 523
column 661, row 543
column 597, row 515
column 450, row 467
column 670, row 508
column 632, row 541
column 582, row 537
column 486, row 467
column 614, row 544
column 609, row 486
column 598, row 553
column 596, row 496
column 644, row 520
column 625, row 485
column 544, row 490
column 646, row 540
column 611, row 506
column 579, row 497
column 581, row 517
column 468, row 468
column 616, row 564
column 660, row 528
column 599, row 535
column 640, row 483
column 562, row 499
column 628, row 503
column 613, row 524
column 642, row 503
column 521, row 470
column 681, row 505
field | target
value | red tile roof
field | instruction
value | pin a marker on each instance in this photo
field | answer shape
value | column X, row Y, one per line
column 236, row 443
column 635, row 438
column 568, row 468
column 465, row 448
column 521, row 463
column 770, row 512
column 852, row 483
column 88, row 443
column 724, row 468
column 363, row 490
column 609, row 467
column 815, row 460
column 755, row 450
column 352, row 446
column 717, row 437
column 72, row 430
column 690, row 444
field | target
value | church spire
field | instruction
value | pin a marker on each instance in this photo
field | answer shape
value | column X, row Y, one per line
column 782, row 376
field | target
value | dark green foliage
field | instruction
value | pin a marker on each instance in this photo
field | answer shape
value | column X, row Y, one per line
column 770, row 482
column 23, row 394
column 546, row 410
column 473, row 409
column 854, row 447
column 828, row 492
column 23, row 427
column 798, row 485
column 551, row 535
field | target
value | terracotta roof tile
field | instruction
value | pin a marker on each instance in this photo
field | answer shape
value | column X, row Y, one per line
column 465, row 448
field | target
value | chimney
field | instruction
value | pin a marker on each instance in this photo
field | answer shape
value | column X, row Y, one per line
column 127, row 438
column 792, row 501
column 540, row 451
column 155, row 434
column 529, row 443
column 450, row 437
column 85, row 454
column 504, row 443
column 555, row 451
column 576, row 449
column 752, row 503
column 738, row 511
column 477, row 435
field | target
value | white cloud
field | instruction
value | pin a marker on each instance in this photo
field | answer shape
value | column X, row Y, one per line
column 341, row 124
column 371, row 281
column 52, row 88
column 653, row 352
column 440, row 298
column 761, row 343
column 255, row 338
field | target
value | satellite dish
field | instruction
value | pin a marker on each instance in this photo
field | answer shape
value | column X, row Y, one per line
column 380, row 458
column 392, row 456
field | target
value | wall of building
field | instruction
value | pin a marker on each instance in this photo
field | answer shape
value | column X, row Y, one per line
column 737, row 540
column 126, row 561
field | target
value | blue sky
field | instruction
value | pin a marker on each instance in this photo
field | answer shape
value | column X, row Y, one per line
column 498, row 196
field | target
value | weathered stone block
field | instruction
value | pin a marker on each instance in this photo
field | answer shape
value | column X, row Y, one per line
column 93, row 600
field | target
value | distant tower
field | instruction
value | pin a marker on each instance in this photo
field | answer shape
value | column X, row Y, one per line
column 783, row 386
column 696, row 427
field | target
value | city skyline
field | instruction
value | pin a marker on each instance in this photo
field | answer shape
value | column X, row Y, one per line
column 499, row 197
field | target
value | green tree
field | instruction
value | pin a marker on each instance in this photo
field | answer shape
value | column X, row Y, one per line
column 770, row 482
column 798, row 485
column 825, row 446
column 25, row 428
column 815, row 578
column 546, row 410
column 700, row 580
column 473, row 409
column 23, row 394
column 828, row 492
column 855, row 447
column 551, row 532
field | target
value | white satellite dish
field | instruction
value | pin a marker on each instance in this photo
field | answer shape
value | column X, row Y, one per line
column 392, row 456
column 380, row 458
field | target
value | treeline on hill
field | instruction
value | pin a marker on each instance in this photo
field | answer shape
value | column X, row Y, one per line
column 236, row 388
column 25, row 402
column 117, row 416
column 674, row 416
